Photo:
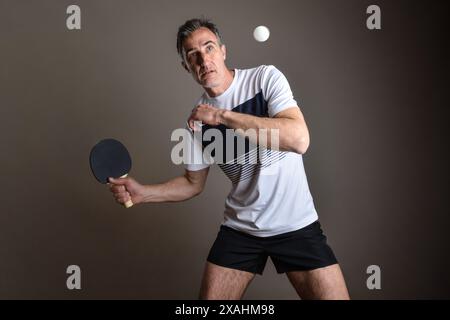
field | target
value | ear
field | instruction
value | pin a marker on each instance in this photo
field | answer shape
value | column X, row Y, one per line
column 224, row 51
column 185, row 66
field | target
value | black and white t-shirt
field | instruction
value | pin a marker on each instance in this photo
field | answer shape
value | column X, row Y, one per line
column 271, row 196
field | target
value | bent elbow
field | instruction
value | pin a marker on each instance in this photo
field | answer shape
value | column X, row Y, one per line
column 300, row 141
column 196, row 191
column 301, row 145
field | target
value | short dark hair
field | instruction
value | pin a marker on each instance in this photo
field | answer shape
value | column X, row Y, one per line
column 185, row 30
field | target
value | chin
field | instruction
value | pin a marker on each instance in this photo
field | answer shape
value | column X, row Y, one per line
column 210, row 84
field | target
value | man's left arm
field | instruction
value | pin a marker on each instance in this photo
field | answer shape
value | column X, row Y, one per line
column 293, row 134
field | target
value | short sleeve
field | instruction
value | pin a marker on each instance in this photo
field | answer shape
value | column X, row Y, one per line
column 276, row 91
column 194, row 160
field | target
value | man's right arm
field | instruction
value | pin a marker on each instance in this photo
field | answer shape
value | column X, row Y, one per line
column 177, row 189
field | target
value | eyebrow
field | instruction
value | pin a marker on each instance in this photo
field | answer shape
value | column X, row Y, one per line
column 203, row 45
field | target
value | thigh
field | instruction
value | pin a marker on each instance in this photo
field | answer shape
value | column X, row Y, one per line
column 321, row 283
column 221, row 283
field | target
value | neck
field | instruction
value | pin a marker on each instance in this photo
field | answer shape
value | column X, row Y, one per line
column 217, row 91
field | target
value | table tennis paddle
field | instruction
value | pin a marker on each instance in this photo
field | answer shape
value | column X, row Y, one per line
column 110, row 158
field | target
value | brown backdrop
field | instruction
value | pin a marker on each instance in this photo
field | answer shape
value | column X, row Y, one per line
column 377, row 164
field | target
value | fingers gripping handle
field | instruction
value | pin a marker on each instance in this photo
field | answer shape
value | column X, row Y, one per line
column 129, row 203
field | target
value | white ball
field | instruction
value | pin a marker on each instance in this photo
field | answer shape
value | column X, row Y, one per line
column 261, row 33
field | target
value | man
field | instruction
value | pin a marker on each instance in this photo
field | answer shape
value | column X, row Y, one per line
column 269, row 211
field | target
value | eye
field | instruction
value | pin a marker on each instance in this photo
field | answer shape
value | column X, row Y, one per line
column 209, row 48
column 191, row 55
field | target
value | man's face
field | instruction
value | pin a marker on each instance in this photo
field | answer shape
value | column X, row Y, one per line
column 204, row 58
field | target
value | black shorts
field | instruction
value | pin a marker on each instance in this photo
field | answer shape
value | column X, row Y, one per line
column 303, row 249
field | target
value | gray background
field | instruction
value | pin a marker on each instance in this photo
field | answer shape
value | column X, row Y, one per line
column 377, row 164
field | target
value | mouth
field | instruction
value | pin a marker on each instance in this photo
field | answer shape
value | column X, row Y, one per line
column 206, row 73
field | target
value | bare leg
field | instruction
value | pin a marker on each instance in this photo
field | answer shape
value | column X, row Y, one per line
column 324, row 283
column 220, row 283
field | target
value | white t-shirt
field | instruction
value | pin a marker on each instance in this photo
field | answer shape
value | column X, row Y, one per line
column 271, row 196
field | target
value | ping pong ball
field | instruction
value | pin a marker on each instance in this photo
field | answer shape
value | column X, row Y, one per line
column 261, row 33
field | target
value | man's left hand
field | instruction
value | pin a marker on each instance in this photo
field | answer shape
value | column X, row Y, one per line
column 206, row 114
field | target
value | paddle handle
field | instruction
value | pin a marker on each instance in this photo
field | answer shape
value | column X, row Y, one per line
column 129, row 203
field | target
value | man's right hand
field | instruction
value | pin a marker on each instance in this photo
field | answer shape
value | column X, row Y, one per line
column 125, row 189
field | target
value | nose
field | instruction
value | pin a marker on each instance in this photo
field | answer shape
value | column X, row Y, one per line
column 202, row 58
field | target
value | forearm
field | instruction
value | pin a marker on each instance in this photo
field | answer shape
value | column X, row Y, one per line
column 174, row 190
column 292, row 133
